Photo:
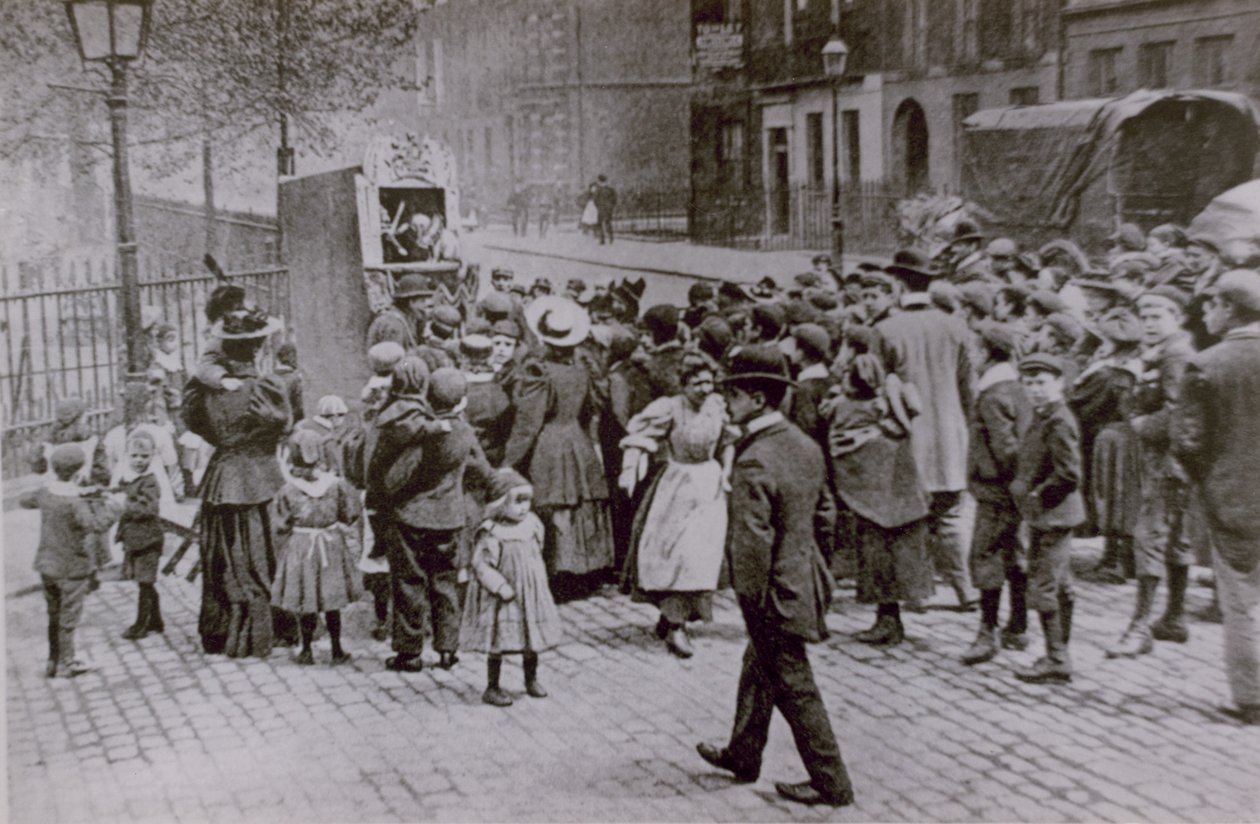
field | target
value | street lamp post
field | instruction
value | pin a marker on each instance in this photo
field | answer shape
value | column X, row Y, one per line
column 113, row 32
column 835, row 55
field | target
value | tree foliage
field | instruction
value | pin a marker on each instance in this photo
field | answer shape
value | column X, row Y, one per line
column 228, row 68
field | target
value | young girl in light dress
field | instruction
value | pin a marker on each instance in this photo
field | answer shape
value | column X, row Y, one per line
column 316, row 518
column 509, row 608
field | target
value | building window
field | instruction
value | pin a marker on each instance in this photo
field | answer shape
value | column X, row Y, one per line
column 1025, row 96
column 489, row 148
column 731, row 143
column 1155, row 65
column 851, row 132
column 1211, row 66
column 788, row 7
column 1103, row 80
column 814, row 149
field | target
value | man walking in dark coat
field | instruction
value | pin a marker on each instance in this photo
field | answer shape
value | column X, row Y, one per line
column 778, row 499
column 1216, row 434
column 605, row 204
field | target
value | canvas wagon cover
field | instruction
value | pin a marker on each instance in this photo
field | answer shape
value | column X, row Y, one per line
column 1233, row 215
column 1031, row 165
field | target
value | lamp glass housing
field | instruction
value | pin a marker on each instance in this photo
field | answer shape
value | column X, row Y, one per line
column 109, row 29
column 835, row 57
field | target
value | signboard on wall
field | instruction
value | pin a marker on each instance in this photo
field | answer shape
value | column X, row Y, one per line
column 719, row 46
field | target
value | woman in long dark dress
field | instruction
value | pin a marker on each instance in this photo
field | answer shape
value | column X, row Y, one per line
column 244, row 421
column 553, row 443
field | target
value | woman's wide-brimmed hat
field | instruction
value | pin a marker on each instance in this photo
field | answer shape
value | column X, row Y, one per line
column 558, row 321
column 246, row 324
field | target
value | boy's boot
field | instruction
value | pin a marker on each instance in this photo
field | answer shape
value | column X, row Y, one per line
column 54, row 647
column 1108, row 569
column 887, row 630
column 1015, row 634
column 985, row 647
column 1136, row 640
column 493, row 695
column 1067, row 606
column 1055, row 667
column 532, row 686
column 1172, row 624
column 156, row 624
column 141, row 627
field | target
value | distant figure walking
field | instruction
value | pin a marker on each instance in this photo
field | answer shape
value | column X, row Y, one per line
column 605, row 204
column 588, row 223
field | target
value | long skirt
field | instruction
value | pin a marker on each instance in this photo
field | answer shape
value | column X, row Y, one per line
column 238, row 561
column 1116, row 482
column 892, row 562
column 578, row 538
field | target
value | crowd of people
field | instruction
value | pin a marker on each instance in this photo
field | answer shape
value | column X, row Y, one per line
column 958, row 419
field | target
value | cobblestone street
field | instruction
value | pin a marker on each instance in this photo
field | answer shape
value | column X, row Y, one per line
column 161, row 733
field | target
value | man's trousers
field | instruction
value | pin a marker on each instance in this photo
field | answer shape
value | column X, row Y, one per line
column 776, row 673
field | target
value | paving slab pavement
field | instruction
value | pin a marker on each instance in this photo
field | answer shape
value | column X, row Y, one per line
column 162, row 733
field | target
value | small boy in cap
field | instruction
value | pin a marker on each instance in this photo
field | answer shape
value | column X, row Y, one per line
column 1046, row 491
column 1001, row 417
column 70, row 520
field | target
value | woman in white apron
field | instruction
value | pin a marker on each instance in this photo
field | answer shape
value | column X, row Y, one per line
column 679, row 533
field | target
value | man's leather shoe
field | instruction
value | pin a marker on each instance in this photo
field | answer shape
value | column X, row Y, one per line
column 1248, row 714
column 887, row 632
column 719, row 758
column 804, row 793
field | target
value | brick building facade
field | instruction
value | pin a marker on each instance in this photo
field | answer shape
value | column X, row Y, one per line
column 915, row 71
column 1116, row 46
column 555, row 92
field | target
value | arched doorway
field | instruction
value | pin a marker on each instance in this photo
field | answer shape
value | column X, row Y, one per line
column 910, row 147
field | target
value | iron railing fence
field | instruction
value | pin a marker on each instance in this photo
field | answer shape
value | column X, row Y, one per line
column 67, row 342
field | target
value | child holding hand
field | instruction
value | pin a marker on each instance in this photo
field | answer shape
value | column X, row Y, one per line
column 509, row 608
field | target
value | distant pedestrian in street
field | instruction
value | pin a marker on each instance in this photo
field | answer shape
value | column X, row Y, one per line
column 779, row 501
column 1216, row 435
column 316, row 518
column 140, row 533
column 588, row 222
column 605, row 205
column 1046, row 490
column 548, row 207
column 69, row 525
column 518, row 205
column 509, row 607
